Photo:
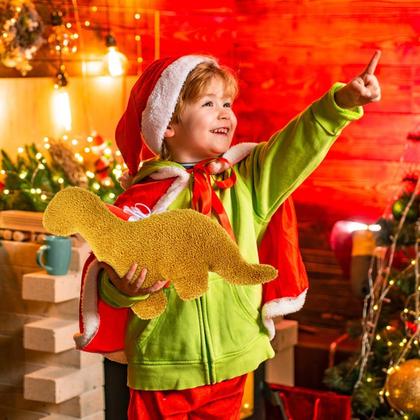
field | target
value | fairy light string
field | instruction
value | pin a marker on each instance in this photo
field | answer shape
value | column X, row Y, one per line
column 380, row 286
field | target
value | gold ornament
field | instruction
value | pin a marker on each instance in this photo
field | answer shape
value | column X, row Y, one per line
column 402, row 387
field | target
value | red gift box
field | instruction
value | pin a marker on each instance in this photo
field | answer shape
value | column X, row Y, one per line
column 294, row 403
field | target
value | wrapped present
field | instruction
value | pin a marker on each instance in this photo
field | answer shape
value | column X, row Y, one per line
column 294, row 403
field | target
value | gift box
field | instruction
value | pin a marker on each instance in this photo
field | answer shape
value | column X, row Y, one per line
column 280, row 369
column 294, row 403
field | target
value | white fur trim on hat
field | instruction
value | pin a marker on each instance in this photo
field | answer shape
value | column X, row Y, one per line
column 278, row 307
column 163, row 99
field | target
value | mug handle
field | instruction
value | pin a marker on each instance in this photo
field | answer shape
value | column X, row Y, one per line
column 39, row 255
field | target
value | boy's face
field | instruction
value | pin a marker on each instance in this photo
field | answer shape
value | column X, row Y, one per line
column 206, row 128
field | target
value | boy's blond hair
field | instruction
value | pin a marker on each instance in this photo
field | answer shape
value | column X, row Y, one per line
column 195, row 85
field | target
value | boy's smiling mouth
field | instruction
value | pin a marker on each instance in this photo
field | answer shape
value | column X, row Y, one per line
column 221, row 130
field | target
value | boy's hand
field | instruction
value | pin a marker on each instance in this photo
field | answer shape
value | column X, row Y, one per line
column 363, row 89
column 127, row 285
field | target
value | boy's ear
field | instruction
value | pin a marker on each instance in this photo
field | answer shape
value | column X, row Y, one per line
column 169, row 132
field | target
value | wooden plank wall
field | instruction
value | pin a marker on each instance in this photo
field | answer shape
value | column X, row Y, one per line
column 287, row 53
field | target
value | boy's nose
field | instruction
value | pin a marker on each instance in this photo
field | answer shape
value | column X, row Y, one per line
column 223, row 114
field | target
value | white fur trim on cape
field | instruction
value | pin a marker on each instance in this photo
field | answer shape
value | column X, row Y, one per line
column 278, row 307
column 234, row 155
column 163, row 98
column 238, row 152
column 89, row 313
column 181, row 181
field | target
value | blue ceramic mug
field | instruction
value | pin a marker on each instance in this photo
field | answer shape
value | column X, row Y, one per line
column 55, row 255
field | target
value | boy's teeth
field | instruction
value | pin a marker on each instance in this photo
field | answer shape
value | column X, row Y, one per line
column 220, row 130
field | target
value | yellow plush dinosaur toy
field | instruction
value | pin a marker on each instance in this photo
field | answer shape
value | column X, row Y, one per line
column 180, row 245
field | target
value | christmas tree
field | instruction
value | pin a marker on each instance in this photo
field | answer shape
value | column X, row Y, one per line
column 31, row 180
column 384, row 377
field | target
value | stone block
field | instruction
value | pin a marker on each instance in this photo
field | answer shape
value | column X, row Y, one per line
column 100, row 415
column 52, row 335
column 85, row 404
column 79, row 255
column 93, row 376
column 21, row 253
column 56, row 384
column 53, row 384
column 43, row 287
column 286, row 334
column 71, row 358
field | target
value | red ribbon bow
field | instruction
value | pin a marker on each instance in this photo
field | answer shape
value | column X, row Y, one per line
column 204, row 197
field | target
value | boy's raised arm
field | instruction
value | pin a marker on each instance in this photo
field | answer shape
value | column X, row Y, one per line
column 277, row 167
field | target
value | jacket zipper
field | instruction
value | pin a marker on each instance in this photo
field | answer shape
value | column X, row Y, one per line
column 205, row 333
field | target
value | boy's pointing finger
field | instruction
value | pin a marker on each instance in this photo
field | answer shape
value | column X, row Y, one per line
column 371, row 67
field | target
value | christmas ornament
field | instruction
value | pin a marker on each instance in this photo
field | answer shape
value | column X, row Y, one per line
column 64, row 157
column 399, row 206
column 402, row 387
column 409, row 183
column 21, row 35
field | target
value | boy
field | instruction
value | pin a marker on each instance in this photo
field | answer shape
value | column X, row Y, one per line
column 191, row 361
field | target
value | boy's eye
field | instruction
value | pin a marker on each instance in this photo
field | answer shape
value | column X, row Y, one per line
column 227, row 105
column 208, row 103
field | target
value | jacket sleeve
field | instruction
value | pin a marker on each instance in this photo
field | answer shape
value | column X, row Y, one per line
column 276, row 168
column 112, row 296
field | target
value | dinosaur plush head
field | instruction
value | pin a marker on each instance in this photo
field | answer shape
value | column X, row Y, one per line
column 62, row 215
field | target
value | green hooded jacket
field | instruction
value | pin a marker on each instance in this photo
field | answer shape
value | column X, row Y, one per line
column 220, row 335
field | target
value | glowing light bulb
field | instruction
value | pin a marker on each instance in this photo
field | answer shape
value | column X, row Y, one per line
column 61, row 109
column 114, row 61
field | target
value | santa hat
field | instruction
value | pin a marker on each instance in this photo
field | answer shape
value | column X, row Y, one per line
column 150, row 107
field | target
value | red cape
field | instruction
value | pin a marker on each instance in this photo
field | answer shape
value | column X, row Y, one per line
column 105, row 331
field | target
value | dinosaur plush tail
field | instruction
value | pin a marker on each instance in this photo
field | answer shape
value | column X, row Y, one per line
column 248, row 274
